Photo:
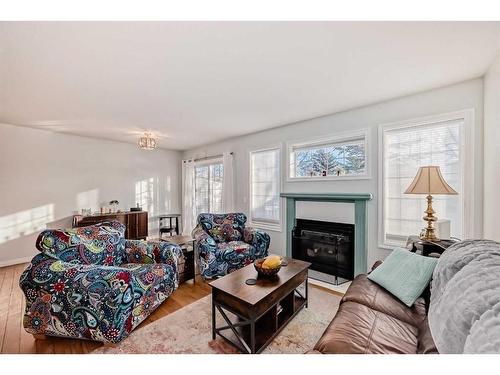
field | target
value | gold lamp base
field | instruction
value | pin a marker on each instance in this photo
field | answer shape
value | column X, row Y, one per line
column 429, row 233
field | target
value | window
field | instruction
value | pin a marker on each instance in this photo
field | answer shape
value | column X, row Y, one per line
column 145, row 194
column 265, row 181
column 208, row 187
column 405, row 148
column 340, row 157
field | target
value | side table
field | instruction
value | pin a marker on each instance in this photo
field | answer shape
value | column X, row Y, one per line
column 187, row 269
column 170, row 228
column 429, row 248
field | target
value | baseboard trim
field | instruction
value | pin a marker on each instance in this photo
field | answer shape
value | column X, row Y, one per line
column 13, row 262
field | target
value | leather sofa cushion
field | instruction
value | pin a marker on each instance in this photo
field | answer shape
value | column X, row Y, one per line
column 358, row 329
column 367, row 293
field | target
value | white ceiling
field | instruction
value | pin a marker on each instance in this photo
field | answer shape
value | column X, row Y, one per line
column 194, row 83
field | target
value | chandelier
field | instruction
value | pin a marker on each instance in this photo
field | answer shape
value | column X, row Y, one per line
column 147, row 142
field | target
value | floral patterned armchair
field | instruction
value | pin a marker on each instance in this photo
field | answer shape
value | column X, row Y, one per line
column 91, row 283
column 224, row 244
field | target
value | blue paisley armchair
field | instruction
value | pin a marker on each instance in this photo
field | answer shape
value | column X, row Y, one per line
column 91, row 283
column 224, row 244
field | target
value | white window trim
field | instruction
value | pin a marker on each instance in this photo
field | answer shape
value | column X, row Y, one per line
column 467, row 156
column 333, row 138
column 276, row 227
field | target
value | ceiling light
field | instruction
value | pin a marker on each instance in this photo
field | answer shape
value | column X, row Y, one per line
column 147, row 142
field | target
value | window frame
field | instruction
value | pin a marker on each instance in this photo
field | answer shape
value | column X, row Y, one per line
column 209, row 162
column 276, row 227
column 341, row 137
column 467, row 152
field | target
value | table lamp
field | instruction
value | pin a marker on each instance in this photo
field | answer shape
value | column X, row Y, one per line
column 429, row 181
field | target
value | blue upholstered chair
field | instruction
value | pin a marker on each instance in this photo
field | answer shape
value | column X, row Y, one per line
column 224, row 244
column 91, row 283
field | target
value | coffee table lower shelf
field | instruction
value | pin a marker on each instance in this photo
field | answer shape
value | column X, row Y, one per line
column 253, row 335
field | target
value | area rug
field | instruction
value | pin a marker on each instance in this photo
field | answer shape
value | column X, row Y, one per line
column 189, row 330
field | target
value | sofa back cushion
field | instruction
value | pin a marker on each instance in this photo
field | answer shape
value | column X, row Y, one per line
column 365, row 292
column 224, row 227
column 101, row 244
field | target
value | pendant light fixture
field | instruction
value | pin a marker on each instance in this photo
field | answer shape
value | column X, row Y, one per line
column 147, row 142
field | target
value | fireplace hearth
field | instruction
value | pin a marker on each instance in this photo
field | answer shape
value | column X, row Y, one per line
column 329, row 247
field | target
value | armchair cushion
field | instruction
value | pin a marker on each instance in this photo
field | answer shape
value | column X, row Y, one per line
column 235, row 253
column 152, row 284
column 96, row 244
column 223, row 227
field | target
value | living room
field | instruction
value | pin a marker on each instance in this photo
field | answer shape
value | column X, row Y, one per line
column 210, row 187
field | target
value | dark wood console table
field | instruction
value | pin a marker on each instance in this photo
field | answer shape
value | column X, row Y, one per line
column 136, row 223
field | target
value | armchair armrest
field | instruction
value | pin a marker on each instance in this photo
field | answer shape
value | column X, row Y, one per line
column 75, row 300
column 204, row 243
column 138, row 251
column 260, row 240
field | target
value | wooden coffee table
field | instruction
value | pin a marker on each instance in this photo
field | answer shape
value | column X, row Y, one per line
column 262, row 310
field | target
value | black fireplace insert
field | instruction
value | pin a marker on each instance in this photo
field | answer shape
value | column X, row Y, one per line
column 329, row 247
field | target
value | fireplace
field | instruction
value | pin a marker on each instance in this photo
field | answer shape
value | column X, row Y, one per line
column 329, row 247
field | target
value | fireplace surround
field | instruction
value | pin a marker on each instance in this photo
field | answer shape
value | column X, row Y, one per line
column 360, row 236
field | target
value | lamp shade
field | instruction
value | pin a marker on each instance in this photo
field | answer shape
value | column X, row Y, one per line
column 429, row 180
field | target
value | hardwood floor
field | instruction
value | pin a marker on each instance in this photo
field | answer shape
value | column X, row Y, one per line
column 14, row 339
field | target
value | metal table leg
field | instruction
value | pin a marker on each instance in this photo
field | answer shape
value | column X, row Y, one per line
column 214, row 328
column 307, row 292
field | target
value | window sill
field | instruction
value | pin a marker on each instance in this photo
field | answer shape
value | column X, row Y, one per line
column 328, row 178
column 392, row 245
column 266, row 226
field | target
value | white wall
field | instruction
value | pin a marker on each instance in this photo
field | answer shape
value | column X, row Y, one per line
column 46, row 176
column 491, row 158
column 447, row 99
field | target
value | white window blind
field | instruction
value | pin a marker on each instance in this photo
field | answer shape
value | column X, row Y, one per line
column 265, row 177
column 405, row 150
column 208, row 187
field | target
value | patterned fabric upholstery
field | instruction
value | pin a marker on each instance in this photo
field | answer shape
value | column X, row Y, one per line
column 150, row 252
column 96, row 244
column 73, row 293
column 224, row 244
column 223, row 227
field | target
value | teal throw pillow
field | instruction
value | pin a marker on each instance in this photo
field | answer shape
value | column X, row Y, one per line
column 404, row 274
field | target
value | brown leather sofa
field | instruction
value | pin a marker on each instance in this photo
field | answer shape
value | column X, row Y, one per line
column 371, row 321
